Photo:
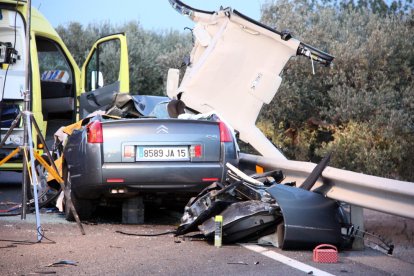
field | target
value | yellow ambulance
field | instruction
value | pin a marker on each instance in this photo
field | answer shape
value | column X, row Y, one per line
column 60, row 92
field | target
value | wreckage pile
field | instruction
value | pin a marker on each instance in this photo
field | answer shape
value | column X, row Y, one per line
column 262, row 208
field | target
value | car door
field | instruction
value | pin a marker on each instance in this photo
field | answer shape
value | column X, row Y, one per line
column 105, row 72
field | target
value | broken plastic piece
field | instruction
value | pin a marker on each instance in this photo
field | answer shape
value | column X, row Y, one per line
column 286, row 35
column 239, row 263
column 243, row 220
column 243, row 176
column 63, row 263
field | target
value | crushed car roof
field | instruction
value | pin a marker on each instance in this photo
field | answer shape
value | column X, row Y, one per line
column 235, row 68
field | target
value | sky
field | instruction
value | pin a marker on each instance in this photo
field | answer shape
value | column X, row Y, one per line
column 152, row 14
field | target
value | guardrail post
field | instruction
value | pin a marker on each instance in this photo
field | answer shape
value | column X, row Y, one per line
column 357, row 219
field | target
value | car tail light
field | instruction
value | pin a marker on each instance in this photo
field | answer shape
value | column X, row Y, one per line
column 210, row 179
column 196, row 151
column 94, row 130
column 115, row 180
column 225, row 133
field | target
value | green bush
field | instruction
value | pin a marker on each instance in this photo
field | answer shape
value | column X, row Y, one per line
column 362, row 108
column 362, row 148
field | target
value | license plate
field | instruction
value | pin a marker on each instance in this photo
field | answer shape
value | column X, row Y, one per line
column 162, row 154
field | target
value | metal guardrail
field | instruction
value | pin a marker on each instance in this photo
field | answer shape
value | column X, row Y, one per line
column 381, row 194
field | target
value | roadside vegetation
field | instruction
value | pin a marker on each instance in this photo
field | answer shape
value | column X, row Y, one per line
column 362, row 108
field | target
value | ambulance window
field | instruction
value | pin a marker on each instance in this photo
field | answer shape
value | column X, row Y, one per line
column 51, row 59
column 103, row 66
column 12, row 40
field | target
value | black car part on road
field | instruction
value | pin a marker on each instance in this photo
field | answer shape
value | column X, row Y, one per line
column 261, row 204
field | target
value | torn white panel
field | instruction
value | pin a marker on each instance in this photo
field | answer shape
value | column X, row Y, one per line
column 235, row 72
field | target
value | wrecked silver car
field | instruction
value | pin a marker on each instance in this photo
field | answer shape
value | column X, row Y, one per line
column 234, row 66
column 144, row 153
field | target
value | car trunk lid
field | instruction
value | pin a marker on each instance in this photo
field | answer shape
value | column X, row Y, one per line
column 159, row 140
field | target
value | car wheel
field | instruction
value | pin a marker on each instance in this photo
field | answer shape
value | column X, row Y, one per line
column 46, row 192
column 83, row 207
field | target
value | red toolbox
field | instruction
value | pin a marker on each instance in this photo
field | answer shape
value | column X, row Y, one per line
column 325, row 253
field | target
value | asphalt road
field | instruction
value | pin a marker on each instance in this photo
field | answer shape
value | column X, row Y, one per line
column 103, row 251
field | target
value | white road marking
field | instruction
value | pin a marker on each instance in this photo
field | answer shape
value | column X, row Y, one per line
column 286, row 260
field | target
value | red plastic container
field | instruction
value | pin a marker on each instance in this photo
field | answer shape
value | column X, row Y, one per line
column 325, row 253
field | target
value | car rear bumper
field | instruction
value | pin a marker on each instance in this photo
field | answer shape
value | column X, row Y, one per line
column 181, row 177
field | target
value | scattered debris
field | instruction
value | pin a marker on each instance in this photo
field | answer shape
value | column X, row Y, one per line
column 374, row 241
column 239, row 263
column 90, row 222
column 8, row 246
column 63, row 263
column 145, row 235
column 260, row 207
column 196, row 237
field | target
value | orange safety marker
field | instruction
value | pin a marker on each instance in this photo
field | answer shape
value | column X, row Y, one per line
column 259, row 169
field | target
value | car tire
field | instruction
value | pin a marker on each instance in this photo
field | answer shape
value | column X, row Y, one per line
column 46, row 193
column 83, row 207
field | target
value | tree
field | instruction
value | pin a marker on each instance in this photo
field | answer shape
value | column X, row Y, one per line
column 151, row 54
column 366, row 95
